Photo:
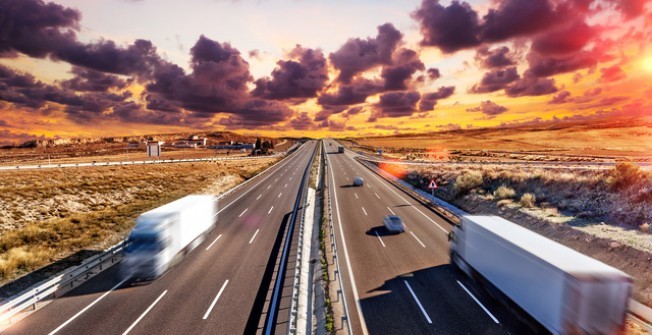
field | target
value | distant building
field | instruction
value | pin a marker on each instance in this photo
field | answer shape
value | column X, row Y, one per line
column 154, row 148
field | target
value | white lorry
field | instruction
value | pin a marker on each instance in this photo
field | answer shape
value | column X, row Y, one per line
column 163, row 235
column 562, row 289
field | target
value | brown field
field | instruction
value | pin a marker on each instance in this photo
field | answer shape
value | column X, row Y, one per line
column 47, row 215
column 628, row 139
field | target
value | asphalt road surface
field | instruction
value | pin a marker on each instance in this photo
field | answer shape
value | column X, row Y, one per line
column 402, row 283
column 211, row 291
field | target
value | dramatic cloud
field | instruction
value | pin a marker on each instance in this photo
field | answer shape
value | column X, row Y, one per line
column 568, row 39
column 495, row 80
column 257, row 114
column 496, row 58
column 429, row 100
column 542, row 66
column 358, row 55
column 433, row 74
column 449, row 28
column 560, row 98
column 530, row 85
column 406, row 62
column 302, row 122
column 346, row 95
column 489, row 108
column 92, row 80
column 35, row 28
column 397, row 104
column 300, row 78
column 612, row 73
column 515, row 18
column 218, row 82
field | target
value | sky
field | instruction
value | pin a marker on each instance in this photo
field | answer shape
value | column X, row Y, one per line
column 80, row 68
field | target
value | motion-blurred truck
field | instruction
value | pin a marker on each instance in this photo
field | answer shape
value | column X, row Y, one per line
column 340, row 149
column 565, row 291
column 162, row 236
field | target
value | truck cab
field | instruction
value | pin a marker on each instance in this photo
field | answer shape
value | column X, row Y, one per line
column 148, row 249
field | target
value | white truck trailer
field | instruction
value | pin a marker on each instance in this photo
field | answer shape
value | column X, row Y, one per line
column 562, row 289
column 163, row 235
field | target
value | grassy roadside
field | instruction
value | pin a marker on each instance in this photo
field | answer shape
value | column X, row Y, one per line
column 46, row 216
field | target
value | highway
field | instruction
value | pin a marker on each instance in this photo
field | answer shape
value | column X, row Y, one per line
column 402, row 284
column 215, row 289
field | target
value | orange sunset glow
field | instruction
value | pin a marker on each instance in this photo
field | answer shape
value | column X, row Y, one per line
column 404, row 67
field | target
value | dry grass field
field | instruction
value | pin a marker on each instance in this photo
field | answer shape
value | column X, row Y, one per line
column 47, row 215
column 605, row 214
column 629, row 139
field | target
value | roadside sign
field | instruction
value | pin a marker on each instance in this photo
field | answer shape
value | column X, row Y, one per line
column 432, row 185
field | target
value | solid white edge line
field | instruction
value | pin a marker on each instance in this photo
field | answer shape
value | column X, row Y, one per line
column 241, row 214
column 418, row 240
column 217, row 297
column 478, row 302
column 270, row 210
column 391, row 211
column 144, row 313
column 354, row 288
column 380, row 239
column 365, row 212
column 88, row 307
column 218, row 237
column 250, row 189
column 423, row 310
column 253, row 237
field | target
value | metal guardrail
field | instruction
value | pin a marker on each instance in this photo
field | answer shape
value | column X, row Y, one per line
column 162, row 161
column 340, row 292
column 273, row 308
column 294, row 304
column 65, row 280
column 641, row 314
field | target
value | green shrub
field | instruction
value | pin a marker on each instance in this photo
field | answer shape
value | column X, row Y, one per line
column 528, row 200
column 468, row 181
column 504, row 192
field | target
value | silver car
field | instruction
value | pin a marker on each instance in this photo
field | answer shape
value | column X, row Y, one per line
column 358, row 181
column 394, row 224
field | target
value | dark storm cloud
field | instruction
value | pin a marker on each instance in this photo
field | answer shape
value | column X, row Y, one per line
column 450, row 28
column 139, row 58
column 568, row 39
column 513, row 18
column 612, row 73
column 560, row 98
column 543, row 66
column 406, row 62
column 355, row 93
column 496, row 79
column 429, row 100
column 302, row 122
column 397, row 104
column 358, row 55
column 35, row 28
column 489, row 108
column 530, row 85
column 92, row 80
column 258, row 113
column 300, row 78
column 218, row 82
column 495, row 58
column 433, row 73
